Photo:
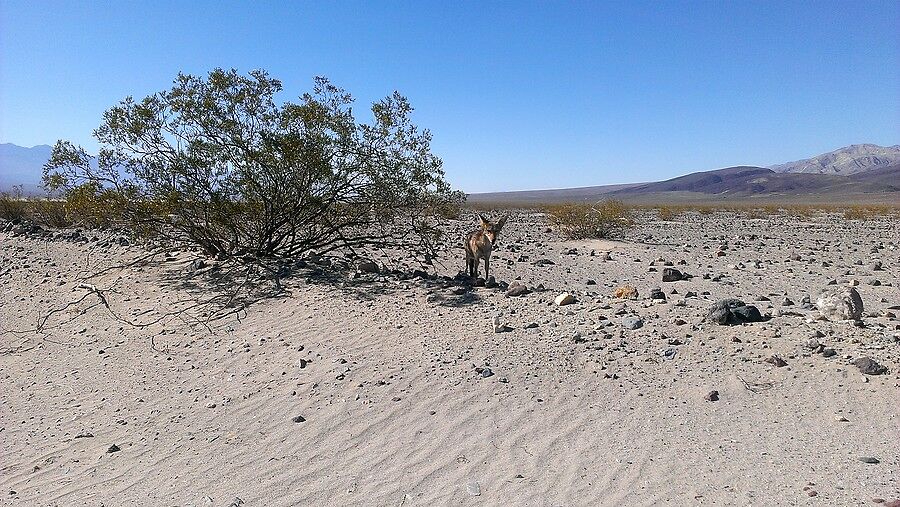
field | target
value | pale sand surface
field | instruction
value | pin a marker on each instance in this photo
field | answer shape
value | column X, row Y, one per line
column 395, row 413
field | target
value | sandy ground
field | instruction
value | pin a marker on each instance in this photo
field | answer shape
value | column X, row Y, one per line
column 579, row 409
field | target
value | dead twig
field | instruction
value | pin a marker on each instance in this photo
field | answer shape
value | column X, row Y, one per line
column 756, row 388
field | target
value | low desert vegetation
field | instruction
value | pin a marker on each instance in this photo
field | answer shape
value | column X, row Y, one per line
column 869, row 212
column 668, row 213
column 605, row 219
column 15, row 207
column 216, row 162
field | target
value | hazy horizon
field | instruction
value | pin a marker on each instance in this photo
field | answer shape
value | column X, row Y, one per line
column 518, row 98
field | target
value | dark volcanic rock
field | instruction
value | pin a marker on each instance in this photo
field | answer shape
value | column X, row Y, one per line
column 732, row 311
column 517, row 289
column 672, row 275
column 868, row 366
column 776, row 360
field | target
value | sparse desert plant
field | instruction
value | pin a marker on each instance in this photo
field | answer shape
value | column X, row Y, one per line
column 51, row 212
column 867, row 212
column 802, row 211
column 217, row 163
column 93, row 205
column 667, row 213
column 605, row 219
column 12, row 205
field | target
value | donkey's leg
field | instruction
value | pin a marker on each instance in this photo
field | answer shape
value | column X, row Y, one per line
column 487, row 267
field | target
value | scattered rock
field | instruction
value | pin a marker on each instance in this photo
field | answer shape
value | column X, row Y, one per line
column 626, row 292
column 658, row 294
column 870, row 460
column 776, row 360
column 868, row 366
column 712, row 396
column 732, row 311
column 672, row 275
column 564, row 299
column 484, row 372
column 517, row 289
column 367, row 266
column 632, row 323
column 298, row 419
column 844, row 304
column 113, row 448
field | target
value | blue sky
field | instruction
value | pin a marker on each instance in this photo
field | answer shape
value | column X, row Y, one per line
column 518, row 95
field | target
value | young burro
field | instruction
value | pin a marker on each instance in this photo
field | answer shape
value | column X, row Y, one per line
column 479, row 244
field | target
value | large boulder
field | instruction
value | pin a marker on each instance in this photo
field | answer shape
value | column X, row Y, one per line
column 732, row 311
column 843, row 304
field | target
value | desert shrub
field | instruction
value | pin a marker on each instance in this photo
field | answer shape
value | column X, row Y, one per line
column 802, row 211
column 216, row 162
column 50, row 212
column 90, row 204
column 667, row 213
column 605, row 219
column 12, row 205
column 867, row 212
column 755, row 213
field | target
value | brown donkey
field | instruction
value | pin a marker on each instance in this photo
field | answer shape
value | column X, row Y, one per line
column 479, row 244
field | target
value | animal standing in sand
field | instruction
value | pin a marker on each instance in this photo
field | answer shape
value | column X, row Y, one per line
column 479, row 244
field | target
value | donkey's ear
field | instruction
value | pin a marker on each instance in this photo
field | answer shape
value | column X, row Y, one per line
column 484, row 221
column 502, row 222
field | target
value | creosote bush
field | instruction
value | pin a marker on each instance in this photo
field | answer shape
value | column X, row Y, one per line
column 12, row 205
column 668, row 213
column 605, row 219
column 216, row 162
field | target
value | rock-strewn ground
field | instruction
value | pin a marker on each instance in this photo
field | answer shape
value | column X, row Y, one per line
column 407, row 394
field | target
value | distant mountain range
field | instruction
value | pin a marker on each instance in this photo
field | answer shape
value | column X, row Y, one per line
column 22, row 166
column 852, row 159
column 860, row 171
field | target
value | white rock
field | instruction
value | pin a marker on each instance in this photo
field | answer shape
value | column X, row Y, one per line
column 564, row 299
column 845, row 304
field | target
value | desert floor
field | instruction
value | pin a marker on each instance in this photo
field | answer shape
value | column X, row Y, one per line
column 386, row 373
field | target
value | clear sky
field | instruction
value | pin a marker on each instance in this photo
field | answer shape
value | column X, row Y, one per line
column 518, row 95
